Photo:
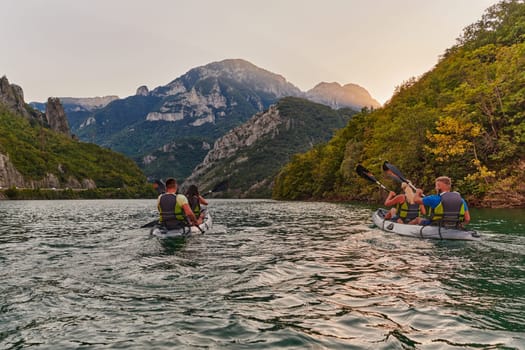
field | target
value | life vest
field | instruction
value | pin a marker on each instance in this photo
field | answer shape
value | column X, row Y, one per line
column 407, row 211
column 195, row 205
column 171, row 213
column 450, row 210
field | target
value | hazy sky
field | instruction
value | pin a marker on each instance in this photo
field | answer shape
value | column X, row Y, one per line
column 86, row 48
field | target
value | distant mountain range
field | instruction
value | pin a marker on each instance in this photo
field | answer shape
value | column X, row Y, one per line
column 170, row 129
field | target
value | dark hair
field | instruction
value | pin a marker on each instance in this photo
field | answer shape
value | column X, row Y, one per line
column 192, row 191
column 171, row 183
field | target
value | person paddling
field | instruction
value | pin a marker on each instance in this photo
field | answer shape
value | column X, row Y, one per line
column 403, row 212
column 446, row 207
column 174, row 210
column 195, row 200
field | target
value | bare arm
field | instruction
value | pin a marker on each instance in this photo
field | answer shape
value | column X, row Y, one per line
column 418, row 196
column 467, row 218
column 189, row 213
column 396, row 200
column 202, row 200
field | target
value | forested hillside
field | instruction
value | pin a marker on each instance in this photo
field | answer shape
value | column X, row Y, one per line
column 34, row 156
column 464, row 119
column 245, row 161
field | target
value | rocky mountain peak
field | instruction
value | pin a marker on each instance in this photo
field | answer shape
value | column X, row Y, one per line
column 142, row 91
column 12, row 97
column 337, row 96
column 56, row 116
column 240, row 71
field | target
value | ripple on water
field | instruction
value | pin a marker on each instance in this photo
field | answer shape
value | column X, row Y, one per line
column 269, row 275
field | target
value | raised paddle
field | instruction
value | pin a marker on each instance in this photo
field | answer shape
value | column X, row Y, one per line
column 366, row 174
column 394, row 173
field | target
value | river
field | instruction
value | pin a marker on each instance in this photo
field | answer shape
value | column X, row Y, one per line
column 270, row 275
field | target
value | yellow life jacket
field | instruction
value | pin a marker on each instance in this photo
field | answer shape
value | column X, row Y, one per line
column 407, row 211
column 171, row 213
column 451, row 209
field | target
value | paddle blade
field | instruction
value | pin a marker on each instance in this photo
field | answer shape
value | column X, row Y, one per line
column 393, row 176
column 160, row 186
column 150, row 224
column 365, row 173
column 394, row 172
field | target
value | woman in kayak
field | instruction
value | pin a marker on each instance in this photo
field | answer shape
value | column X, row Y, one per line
column 403, row 212
column 195, row 200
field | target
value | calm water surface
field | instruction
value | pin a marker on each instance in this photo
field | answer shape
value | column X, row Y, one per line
column 83, row 274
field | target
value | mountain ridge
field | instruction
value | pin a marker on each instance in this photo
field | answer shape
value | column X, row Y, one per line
column 169, row 129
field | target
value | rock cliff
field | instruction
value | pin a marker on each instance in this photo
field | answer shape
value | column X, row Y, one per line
column 56, row 117
column 142, row 91
column 264, row 123
column 12, row 97
column 29, row 156
column 244, row 162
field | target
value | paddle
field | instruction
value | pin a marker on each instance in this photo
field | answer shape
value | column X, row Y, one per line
column 150, row 224
column 366, row 174
column 394, row 173
column 160, row 186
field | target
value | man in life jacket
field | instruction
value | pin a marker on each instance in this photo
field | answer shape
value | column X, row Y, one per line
column 174, row 209
column 403, row 212
column 446, row 208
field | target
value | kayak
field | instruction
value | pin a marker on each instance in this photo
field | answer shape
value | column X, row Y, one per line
column 428, row 231
column 185, row 231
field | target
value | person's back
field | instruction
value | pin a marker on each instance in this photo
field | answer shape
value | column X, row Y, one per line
column 173, row 208
column 195, row 205
column 407, row 211
column 450, row 210
column 446, row 207
column 171, row 214
column 404, row 211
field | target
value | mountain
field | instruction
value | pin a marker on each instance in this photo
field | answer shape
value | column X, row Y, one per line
column 244, row 162
column 170, row 129
column 77, row 104
column 37, row 150
column 337, row 96
column 464, row 119
column 78, row 109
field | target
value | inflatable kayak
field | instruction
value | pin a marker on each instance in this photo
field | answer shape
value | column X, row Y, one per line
column 429, row 231
column 186, row 231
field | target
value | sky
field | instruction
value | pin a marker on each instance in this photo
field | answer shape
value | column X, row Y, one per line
column 88, row 48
